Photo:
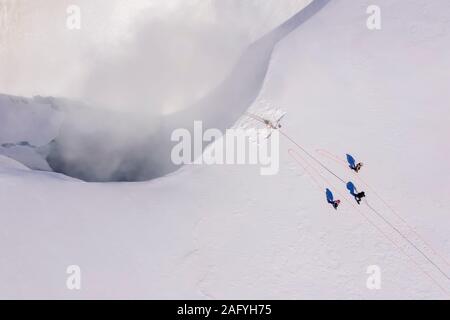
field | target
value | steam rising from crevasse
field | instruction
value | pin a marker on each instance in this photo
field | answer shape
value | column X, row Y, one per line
column 177, row 56
column 167, row 65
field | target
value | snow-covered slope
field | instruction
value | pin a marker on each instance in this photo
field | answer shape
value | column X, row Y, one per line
column 228, row 232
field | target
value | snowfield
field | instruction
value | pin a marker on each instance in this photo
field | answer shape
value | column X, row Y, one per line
column 227, row 232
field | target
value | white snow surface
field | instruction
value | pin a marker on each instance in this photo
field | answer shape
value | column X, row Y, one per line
column 226, row 232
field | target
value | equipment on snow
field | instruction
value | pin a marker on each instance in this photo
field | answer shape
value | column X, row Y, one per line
column 330, row 199
column 352, row 163
column 271, row 125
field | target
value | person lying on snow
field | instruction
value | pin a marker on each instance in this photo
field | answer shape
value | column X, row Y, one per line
column 359, row 196
column 335, row 203
column 357, row 167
